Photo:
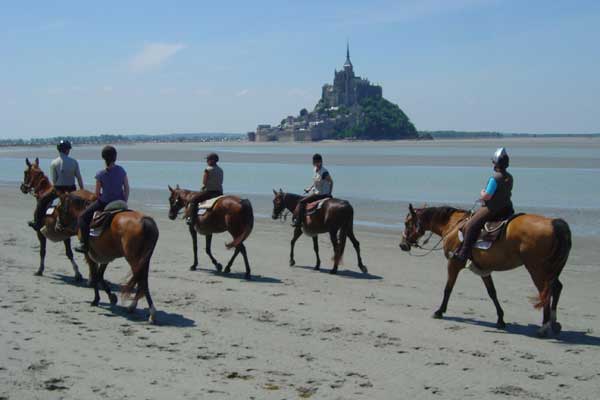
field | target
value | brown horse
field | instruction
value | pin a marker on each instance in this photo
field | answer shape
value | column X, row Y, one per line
column 541, row 244
column 130, row 234
column 336, row 216
column 230, row 213
column 37, row 183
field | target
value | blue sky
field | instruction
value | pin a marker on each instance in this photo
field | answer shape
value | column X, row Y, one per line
column 79, row 67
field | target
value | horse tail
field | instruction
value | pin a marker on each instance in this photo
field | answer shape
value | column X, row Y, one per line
column 346, row 227
column 139, row 274
column 247, row 216
column 558, row 259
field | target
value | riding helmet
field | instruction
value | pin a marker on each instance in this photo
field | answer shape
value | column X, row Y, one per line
column 109, row 154
column 63, row 146
column 317, row 158
column 213, row 156
column 501, row 158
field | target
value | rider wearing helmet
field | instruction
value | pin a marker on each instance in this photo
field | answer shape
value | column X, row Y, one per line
column 212, row 185
column 496, row 198
column 63, row 172
column 321, row 188
column 111, row 185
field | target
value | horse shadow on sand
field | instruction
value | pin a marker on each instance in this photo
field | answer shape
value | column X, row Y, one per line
column 346, row 273
column 240, row 276
column 565, row 336
column 70, row 280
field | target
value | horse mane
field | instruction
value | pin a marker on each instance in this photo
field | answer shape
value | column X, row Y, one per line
column 439, row 214
column 77, row 200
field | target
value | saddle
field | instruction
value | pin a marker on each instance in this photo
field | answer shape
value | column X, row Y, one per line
column 492, row 231
column 207, row 205
column 52, row 206
column 103, row 219
column 315, row 206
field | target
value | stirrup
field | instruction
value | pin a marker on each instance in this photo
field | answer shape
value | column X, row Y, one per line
column 81, row 248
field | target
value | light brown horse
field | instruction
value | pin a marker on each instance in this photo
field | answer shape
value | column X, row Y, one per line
column 35, row 182
column 541, row 244
column 229, row 214
column 335, row 217
column 130, row 234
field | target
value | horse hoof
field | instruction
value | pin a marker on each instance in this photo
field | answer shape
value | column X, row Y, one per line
column 193, row 268
column 152, row 317
column 333, row 271
column 438, row 315
column 90, row 283
column 363, row 269
column 556, row 328
column 317, row 267
column 248, row 277
column 292, row 263
column 501, row 325
column 219, row 267
column 95, row 303
column 78, row 278
column 113, row 299
column 38, row 273
column 227, row 270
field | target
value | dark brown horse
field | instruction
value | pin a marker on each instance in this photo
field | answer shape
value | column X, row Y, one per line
column 37, row 183
column 335, row 217
column 541, row 244
column 230, row 213
column 130, row 234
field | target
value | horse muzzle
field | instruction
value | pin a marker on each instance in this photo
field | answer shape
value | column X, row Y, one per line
column 404, row 245
column 24, row 188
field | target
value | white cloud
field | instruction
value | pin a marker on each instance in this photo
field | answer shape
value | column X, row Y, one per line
column 242, row 93
column 152, row 55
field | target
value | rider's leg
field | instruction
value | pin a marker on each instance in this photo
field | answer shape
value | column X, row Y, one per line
column 472, row 229
column 300, row 210
column 40, row 210
column 84, row 224
column 193, row 207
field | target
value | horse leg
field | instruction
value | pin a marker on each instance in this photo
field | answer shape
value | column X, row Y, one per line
column 112, row 297
column 94, row 276
column 42, row 240
column 69, row 252
column 316, row 249
column 489, row 285
column 539, row 279
column 235, row 254
column 297, row 234
column 246, row 263
column 356, row 245
column 194, row 236
column 454, row 268
column 217, row 264
column 334, row 243
column 556, row 289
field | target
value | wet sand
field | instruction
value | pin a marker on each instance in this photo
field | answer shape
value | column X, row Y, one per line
column 291, row 332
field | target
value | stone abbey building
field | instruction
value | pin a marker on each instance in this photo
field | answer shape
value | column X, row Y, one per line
column 345, row 93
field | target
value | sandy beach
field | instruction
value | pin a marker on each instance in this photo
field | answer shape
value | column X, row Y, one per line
column 291, row 332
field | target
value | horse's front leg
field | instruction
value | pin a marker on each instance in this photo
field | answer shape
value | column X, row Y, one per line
column 489, row 285
column 454, row 268
column 111, row 296
column 69, row 252
column 316, row 249
column 42, row 240
column 217, row 264
column 336, row 258
column 194, row 236
column 297, row 234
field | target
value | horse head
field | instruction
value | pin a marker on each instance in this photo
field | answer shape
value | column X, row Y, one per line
column 32, row 176
column 413, row 228
column 176, row 202
column 278, row 203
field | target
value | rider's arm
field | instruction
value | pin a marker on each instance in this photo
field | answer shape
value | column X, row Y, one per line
column 330, row 183
column 54, row 173
column 98, row 188
column 204, row 179
column 126, row 188
column 78, row 176
column 490, row 190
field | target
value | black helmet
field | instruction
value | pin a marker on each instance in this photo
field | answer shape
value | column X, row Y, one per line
column 317, row 157
column 501, row 159
column 63, row 146
column 109, row 154
column 213, row 156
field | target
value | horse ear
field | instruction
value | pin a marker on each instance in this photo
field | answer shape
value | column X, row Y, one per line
column 170, row 189
column 177, row 186
column 280, row 190
column 410, row 208
column 27, row 162
column 37, row 162
column 274, row 192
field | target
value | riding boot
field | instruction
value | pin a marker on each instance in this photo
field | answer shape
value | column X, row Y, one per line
column 35, row 225
column 83, row 246
column 298, row 217
column 191, row 213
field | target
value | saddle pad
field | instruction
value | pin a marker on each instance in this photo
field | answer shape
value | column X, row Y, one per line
column 208, row 204
column 491, row 232
column 317, row 205
column 479, row 244
column 50, row 210
column 116, row 205
column 202, row 211
column 103, row 219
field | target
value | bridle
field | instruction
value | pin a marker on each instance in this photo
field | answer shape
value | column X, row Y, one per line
column 284, row 212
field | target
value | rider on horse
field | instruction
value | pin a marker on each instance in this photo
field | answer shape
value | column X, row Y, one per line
column 63, row 171
column 497, row 204
column 321, row 188
column 212, row 186
column 111, row 185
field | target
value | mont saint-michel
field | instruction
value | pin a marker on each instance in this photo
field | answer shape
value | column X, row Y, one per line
column 350, row 108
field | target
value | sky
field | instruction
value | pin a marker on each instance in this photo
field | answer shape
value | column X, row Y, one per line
column 146, row 67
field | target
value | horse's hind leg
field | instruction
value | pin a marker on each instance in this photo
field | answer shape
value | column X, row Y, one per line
column 336, row 257
column 454, row 268
column 246, row 263
column 356, row 245
column 316, row 249
column 235, row 254
column 489, row 285
column 111, row 296
column 95, row 277
column 556, row 289
column 69, row 252
column 194, row 236
column 42, row 240
column 297, row 234
column 217, row 264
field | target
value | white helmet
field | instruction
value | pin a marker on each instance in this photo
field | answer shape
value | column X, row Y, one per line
column 501, row 158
